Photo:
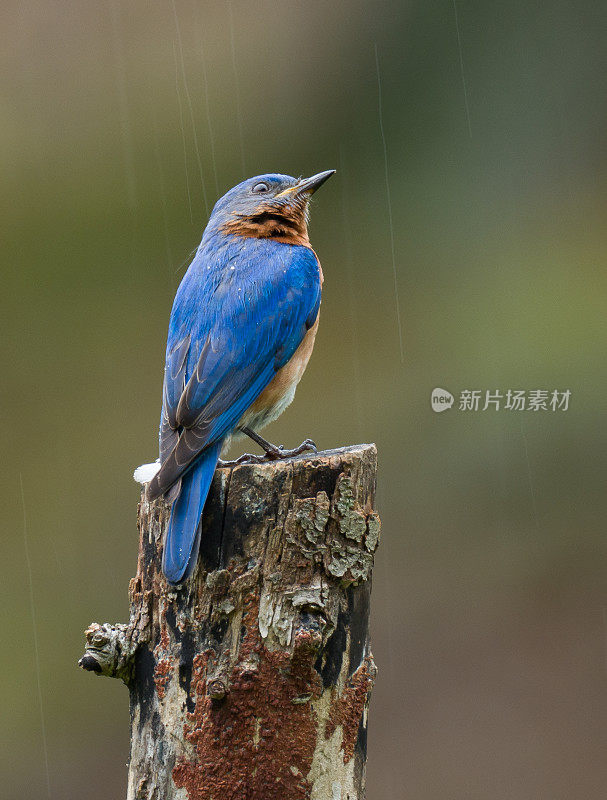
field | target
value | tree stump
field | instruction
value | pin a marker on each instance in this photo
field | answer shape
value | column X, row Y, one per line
column 251, row 681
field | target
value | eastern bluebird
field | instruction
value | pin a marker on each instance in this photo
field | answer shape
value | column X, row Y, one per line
column 240, row 335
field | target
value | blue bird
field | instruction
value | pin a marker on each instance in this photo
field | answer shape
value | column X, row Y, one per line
column 240, row 336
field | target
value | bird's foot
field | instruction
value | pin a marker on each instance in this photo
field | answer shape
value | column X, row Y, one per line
column 245, row 458
column 274, row 452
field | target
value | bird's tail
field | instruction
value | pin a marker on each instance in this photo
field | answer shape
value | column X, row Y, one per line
column 182, row 538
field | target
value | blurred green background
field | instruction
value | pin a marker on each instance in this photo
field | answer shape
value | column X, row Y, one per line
column 490, row 606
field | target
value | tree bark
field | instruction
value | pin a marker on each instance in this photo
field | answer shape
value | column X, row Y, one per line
column 252, row 680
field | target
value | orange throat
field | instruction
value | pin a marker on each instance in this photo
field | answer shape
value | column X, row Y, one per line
column 287, row 224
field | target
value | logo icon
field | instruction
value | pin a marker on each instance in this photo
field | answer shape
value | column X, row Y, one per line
column 441, row 400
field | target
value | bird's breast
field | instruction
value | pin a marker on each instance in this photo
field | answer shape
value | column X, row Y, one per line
column 279, row 393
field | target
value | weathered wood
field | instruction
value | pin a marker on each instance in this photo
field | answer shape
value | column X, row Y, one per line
column 252, row 681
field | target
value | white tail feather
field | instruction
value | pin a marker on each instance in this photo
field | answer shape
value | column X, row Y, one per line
column 146, row 472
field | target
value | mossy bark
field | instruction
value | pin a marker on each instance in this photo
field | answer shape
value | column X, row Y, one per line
column 252, row 680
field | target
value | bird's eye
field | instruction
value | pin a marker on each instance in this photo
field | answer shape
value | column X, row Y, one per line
column 261, row 187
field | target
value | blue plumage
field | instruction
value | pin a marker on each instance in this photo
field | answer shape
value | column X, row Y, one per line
column 240, row 314
column 182, row 537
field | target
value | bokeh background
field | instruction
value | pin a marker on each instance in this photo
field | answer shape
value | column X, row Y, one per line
column 121, row 124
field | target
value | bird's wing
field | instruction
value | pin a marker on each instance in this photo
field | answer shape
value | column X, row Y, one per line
column 174, row 384
column 259, row 325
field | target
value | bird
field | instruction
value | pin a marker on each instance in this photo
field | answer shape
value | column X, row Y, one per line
column 241, row 332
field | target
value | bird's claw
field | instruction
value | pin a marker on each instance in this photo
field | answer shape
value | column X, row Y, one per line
column 245, row 458
column 272, row 453
column 276, row 453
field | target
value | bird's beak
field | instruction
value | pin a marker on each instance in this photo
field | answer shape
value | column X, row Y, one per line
column 307, row 186
column 310, row 185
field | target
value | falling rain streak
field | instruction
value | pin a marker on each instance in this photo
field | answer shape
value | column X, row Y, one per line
column 162, row 187
column 205, row 84
column 210, row 124
column 237, row 90
column 461, row 66
column 185, row 149
column 347, row 229
column 191, row 109
column 123, row 106
column 389, row 204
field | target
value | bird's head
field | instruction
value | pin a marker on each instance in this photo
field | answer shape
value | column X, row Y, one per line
column 268, row 207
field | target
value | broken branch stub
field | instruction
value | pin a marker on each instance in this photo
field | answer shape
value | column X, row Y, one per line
column 252, row 680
